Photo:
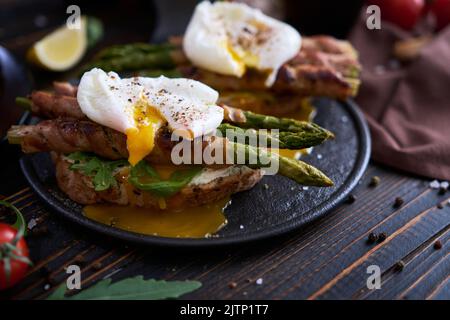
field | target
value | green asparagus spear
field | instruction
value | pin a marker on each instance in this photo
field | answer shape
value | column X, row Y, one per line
column 259, row 121
column 15, row 135
column 296, row 170
column 161, row 59
column 24, row 102
column 132, row 48
column 283, row 139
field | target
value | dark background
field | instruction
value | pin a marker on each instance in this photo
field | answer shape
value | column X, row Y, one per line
column 25, row 16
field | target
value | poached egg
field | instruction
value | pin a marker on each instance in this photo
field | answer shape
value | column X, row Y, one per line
column 228, row 38
column 139, row 106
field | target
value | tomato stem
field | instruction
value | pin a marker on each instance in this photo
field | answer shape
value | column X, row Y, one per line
column 9, row 250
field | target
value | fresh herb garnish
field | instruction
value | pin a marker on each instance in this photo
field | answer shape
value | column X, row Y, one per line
column 129, row 289
column 102, row 171
column 154, row 184
column 142, row 176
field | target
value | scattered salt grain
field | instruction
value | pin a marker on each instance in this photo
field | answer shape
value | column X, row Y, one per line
column 241, row 227
column 444, row 184
column 31, row 224
column 259, row 281
column 319, row 156
column 305, row 188
column 46, row 287
column 435, row 184
column 344, row 119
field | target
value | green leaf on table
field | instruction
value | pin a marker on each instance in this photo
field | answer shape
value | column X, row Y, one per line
column 129, row 289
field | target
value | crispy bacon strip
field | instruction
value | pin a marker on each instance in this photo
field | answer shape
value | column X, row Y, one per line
column 65, row 89
column 308, row 80
column 324, row 66
column 67, row 136
column 50, row 105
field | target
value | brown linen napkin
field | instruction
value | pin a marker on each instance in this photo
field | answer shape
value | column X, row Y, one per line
column 407, row 108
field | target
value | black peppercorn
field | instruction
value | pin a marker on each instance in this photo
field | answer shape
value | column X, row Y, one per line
column 399, row 265
column 372, row 238
column 382, row 236
column 350, row 199
column 437, row 245
column 398, row 202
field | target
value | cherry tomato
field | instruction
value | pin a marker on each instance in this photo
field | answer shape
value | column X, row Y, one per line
column 403, row 13
column 441, row 10
column 18, row 268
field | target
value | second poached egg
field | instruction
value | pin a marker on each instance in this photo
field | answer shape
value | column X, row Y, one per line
column 228, row 38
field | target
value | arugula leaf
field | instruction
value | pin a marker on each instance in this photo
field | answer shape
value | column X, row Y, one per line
column 129, row 289
column 78, row 156
column 161, row 188
column 102, row 171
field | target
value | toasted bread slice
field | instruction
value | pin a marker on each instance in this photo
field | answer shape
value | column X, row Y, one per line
column 210, row 185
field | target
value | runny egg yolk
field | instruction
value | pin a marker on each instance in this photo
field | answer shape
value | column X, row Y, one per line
column 141, row 139
column 242, row 58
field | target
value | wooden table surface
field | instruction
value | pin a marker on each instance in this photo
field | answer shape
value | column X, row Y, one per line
column 327, row 259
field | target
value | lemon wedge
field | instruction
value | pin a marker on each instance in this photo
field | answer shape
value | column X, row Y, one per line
column 61, row 49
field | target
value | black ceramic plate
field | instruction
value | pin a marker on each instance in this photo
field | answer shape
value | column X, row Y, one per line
column 264, row 212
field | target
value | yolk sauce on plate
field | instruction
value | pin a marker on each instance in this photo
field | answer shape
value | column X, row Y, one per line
column 193, row 222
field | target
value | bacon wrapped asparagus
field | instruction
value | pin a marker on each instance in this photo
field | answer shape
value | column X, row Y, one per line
column 69, row 131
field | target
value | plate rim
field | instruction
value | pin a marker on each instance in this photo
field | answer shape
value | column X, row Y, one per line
column 349, row 184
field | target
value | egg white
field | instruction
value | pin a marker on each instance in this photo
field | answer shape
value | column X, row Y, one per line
column 139, row 106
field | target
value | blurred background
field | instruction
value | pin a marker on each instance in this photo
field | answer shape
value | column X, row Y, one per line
column 23, row 22
column 155, row 19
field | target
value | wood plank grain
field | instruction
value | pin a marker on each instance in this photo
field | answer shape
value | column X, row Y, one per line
column 310, row 254
column 398, row 244
column 293, row 266
column 416, row 264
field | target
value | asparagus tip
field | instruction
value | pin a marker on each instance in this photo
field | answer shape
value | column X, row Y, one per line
column 24, row 103
column 14, row 136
